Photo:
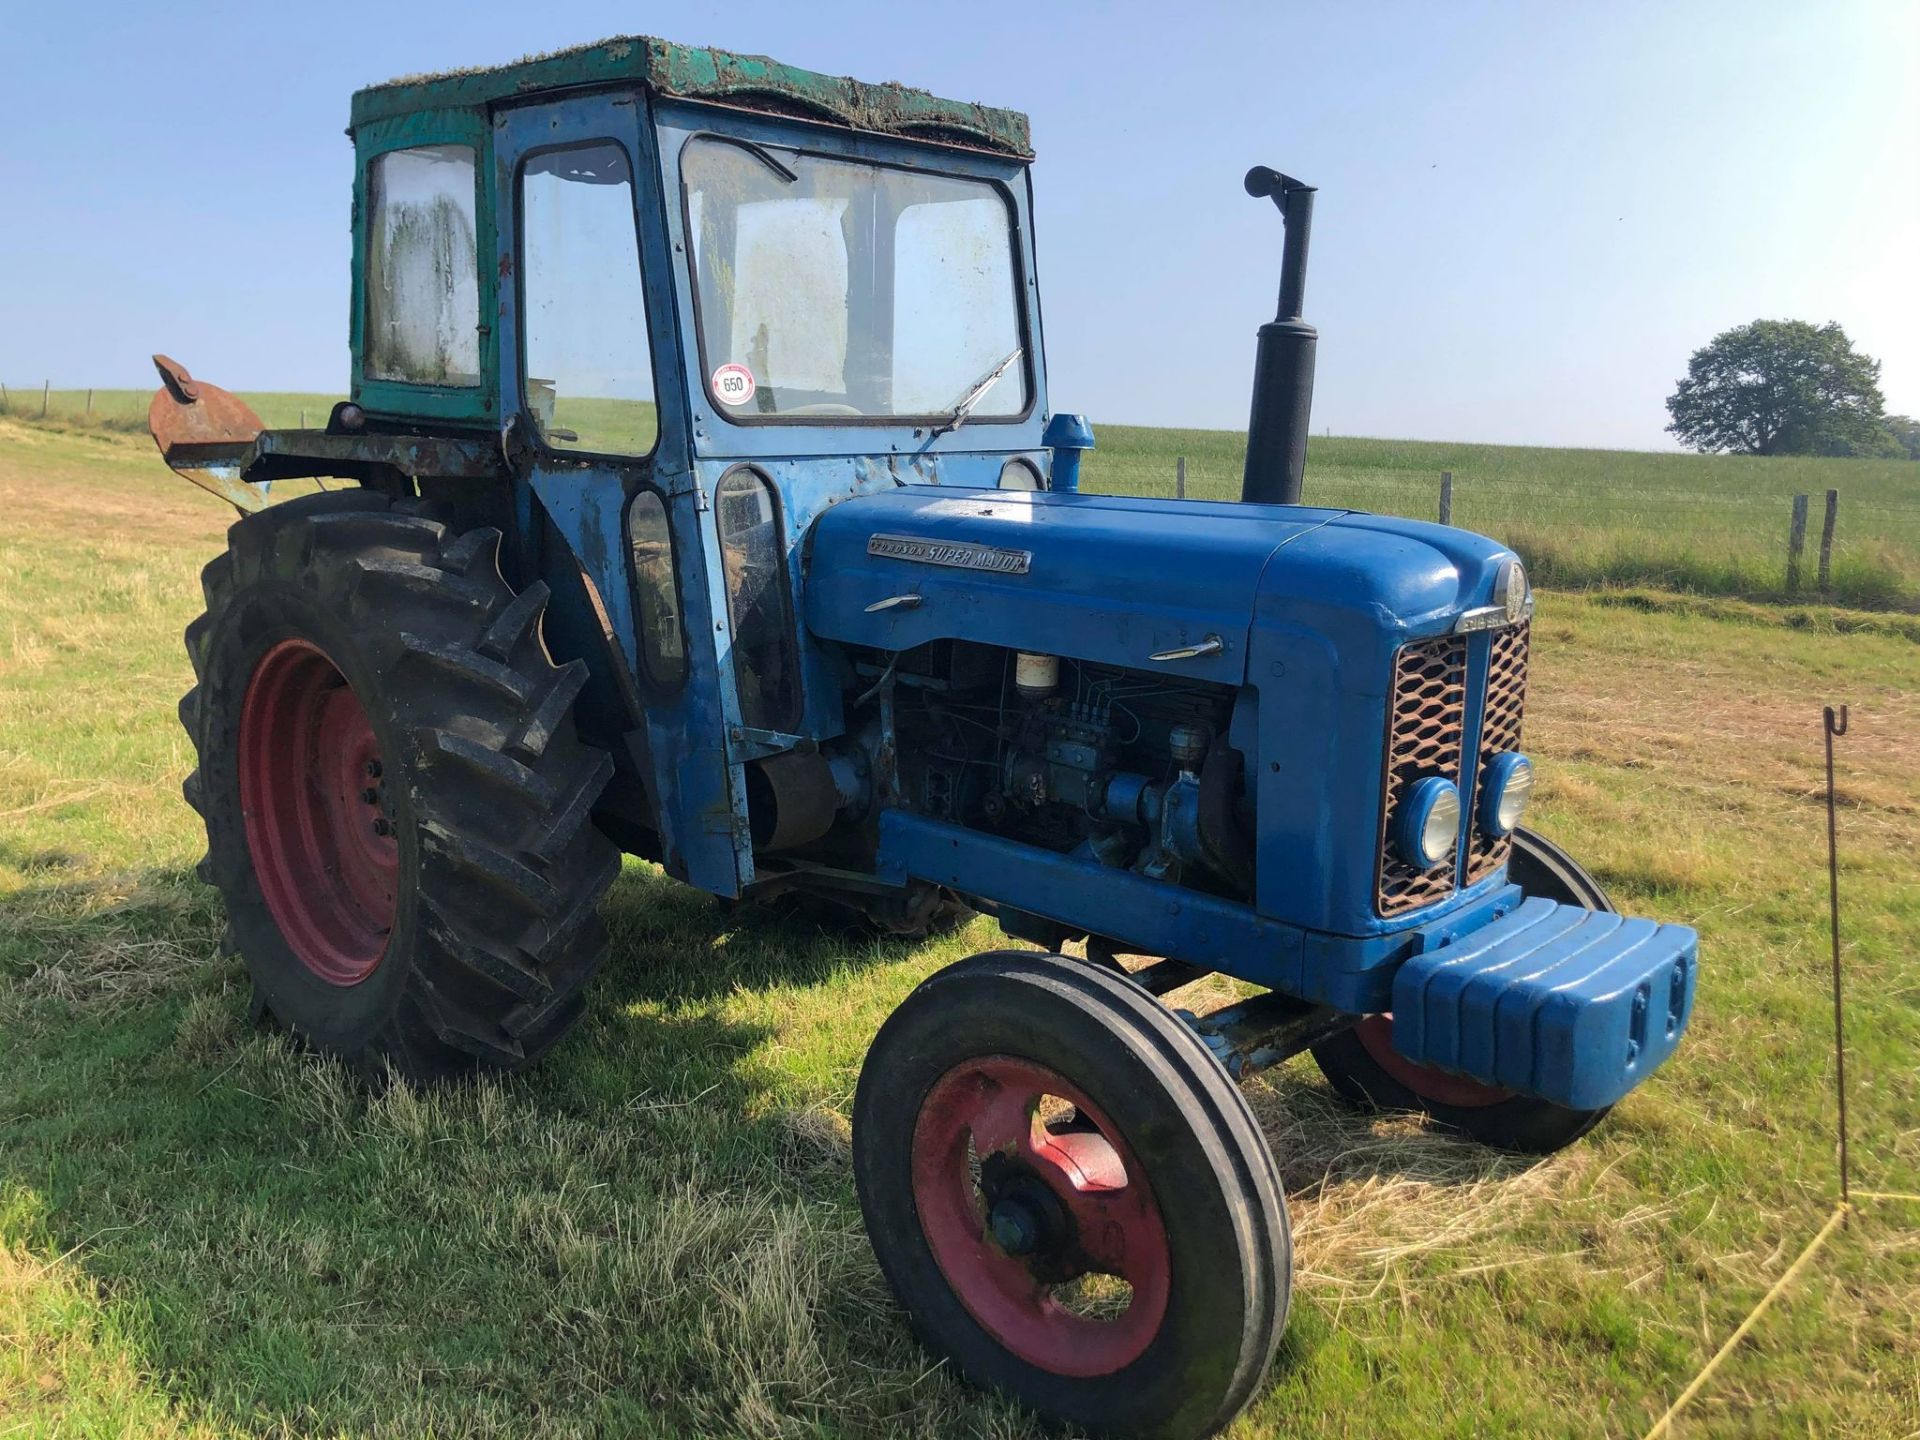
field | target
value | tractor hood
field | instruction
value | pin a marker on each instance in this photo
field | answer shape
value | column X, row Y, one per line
column 1120, row 579
column 1108, row 578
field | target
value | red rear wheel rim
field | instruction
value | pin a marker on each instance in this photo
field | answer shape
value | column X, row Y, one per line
column 312, row 793
column 1440, row 1087
column 984, row 1166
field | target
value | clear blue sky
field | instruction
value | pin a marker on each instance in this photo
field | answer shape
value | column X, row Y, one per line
column 1529, row 214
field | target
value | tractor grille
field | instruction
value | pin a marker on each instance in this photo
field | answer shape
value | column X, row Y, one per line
column 1426, row 735
column 1499, row 731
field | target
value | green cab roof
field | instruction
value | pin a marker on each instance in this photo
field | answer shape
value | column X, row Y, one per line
column 692, row 73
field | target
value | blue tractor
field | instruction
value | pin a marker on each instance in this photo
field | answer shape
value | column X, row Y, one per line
column 707, row 503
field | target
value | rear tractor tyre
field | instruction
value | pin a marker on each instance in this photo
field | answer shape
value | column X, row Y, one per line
column 397, row 806
column 1070, row 1199
column 1365, row 1070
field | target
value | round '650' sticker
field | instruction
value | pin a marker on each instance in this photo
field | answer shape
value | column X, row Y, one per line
column 732, row 384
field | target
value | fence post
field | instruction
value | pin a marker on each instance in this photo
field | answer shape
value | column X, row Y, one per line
column 1446, row 497
column 1180, row 478
column 1796, row 541
column 89, row 401
column 1826, row 541
column 6, row 400
column 46, row 389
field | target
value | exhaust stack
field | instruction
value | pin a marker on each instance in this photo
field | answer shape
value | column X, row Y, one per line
column 1283, row 364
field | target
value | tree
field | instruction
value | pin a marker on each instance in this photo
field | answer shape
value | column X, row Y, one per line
column 1780, row 387
column 1905, row 431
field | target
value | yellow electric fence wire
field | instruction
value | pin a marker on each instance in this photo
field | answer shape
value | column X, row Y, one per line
column 1664, row 1424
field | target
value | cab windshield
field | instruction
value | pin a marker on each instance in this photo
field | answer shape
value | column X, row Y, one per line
column 830, row 287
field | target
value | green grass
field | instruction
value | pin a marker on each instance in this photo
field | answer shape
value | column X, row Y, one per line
column 125, row 411
column 1713, row 525
column 1706, row 525
column 204, row 1231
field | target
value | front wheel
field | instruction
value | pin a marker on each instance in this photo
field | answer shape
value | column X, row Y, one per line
column 1070, row 1198
column 1367, row 1072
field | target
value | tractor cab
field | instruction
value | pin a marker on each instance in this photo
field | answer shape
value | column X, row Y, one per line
column 701, row 298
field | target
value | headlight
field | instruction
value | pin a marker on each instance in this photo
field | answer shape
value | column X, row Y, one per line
column 1504, row 791
column 1513, row 592
column 1512, row 601
column 1428, row 822
column 1019, row 474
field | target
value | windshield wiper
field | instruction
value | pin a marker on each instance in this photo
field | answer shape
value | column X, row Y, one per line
column 976, row 394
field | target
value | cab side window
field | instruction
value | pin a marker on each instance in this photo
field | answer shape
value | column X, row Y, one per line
column 753, row 552
column 588, row 373
column 422, row 280
column 663, row 652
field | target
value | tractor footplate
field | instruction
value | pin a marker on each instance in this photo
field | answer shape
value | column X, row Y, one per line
column 1576, row 1006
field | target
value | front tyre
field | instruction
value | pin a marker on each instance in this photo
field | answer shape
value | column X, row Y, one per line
column 1070, row 1198
column 1367, row 1072
column 397, row 806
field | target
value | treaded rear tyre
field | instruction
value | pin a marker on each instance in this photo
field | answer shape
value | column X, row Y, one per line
column 490, row 931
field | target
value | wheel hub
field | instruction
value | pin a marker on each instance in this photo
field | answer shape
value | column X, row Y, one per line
column 314, row 802
column 1016, row 1213
column 1016, row 1226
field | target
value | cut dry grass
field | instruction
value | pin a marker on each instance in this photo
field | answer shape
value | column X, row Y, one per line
column 204, row 1230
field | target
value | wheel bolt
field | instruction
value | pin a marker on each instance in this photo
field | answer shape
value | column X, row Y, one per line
column 1016, row 1229
column 370, row 796
column 373, row 769
column 381, row 826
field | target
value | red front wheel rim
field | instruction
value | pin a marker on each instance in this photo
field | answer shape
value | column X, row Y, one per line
column 313, row 797
column 1017, row 1213
column 1438, row 1087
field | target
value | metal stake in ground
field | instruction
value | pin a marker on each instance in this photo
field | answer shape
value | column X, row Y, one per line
column 1833, row 727
column 1826, row 541
column 1796, row 541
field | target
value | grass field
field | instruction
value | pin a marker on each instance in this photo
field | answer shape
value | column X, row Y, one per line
column 204, row 1232
column 1582, row 518
column 1709, row 525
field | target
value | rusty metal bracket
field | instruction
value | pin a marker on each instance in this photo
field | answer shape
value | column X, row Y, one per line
column 203, row 432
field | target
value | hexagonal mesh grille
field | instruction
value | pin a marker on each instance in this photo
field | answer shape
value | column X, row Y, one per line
column 1499, row 731
column 1426, row 722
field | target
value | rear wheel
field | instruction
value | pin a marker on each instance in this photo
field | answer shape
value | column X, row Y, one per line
column 396, row 802
column 1366, row 1071
column 1070, row 1198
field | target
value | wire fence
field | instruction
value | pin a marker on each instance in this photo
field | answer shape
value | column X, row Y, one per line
column 125, row 411
column 1593, row 517
column 1723, row 525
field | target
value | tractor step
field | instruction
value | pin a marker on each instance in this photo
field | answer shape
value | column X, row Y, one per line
column 1575, row 1006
